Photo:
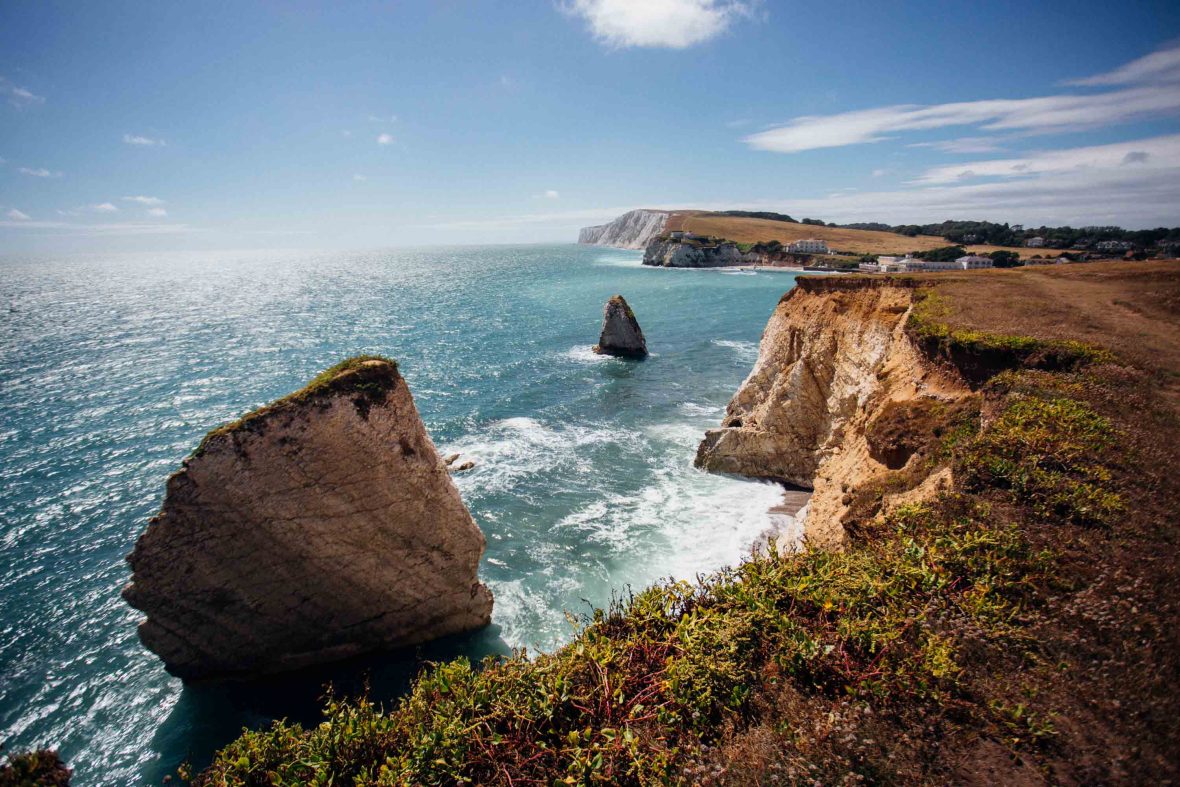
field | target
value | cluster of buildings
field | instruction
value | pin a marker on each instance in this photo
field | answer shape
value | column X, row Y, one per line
column 911, row 264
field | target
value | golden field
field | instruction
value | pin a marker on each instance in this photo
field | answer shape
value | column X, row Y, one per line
column 745, row 230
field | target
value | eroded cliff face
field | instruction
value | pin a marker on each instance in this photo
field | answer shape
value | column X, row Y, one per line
column 632, row 230
column 322, row 526
column 675, row 253
column 835, row 358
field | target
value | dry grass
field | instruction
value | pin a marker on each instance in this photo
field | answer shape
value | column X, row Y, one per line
column 1132, row 308
column 744, row 230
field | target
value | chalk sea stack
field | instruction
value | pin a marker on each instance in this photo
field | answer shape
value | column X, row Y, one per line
column 621, row 334
column 321, row 526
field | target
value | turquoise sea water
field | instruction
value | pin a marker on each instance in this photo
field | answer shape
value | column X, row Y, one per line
column 113, row 367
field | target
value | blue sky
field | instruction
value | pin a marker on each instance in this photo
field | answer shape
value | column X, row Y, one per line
column 170, row 125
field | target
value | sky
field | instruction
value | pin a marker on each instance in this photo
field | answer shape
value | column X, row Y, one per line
column 206, row 125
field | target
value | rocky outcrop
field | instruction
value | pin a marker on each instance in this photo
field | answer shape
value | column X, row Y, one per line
column 621, row 334
column 694, row 252
column 834, row 358
column 632, row 230
column 321, row 526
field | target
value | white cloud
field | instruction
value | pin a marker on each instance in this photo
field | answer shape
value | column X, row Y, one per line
column 384, row 139
column 359, row 178
column 551, row 194
column 104, row 207
column 1160, row 66
column 346, row 133
column 135, row 139
column 1094, row 161
column 39, row 172
column 18, row 96
column 385, row 119
column 1050, row 113
column 674, row 24
column 17, row 215
column 142, row 200
column 1152, row 91
column 880, row 172
column 157, row 213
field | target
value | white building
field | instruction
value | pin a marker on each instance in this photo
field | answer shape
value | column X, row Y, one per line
column 973, row 262
column 934, row 265
column 1035, row 243
column 809, row 246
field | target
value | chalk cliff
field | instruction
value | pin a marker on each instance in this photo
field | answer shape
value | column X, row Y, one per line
column 835, row 362
column 621, row 334
column 319, row 527
column 632, row 230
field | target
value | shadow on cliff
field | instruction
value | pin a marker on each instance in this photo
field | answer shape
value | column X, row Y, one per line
column 209, row 716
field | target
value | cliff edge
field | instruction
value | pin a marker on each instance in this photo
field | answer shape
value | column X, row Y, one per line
column 321, row 526
column 835, row 358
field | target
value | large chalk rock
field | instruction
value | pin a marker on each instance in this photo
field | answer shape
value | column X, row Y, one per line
column 620, row 331
column 321, row 526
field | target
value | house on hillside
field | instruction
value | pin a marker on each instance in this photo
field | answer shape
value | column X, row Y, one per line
column 1114, row 245
column 809, row 246
column 1035, row 243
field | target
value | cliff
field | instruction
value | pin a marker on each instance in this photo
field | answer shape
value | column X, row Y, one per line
column 696, row 252
column 835, row 358
column 322, row 526
column 632, row 230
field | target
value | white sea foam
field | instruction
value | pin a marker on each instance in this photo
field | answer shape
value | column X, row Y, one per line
column 745, row 350
column 511, row 449
column 584, row 354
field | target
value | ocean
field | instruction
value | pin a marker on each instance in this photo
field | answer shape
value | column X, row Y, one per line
column 112, row 367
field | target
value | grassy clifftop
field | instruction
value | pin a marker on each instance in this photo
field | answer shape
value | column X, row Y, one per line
column 1020, row 627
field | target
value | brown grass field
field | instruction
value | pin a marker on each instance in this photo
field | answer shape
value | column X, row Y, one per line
column 744, row 230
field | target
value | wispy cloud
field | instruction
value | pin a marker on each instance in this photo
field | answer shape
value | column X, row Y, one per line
column 17, row 215
column 673, row 24
column 359, row 178
column 1093, row 161
column 157, row 213
column 142, row 200
column 551, row 194
column 1056, row 113
column 136, row 139
column 382, row 118
column 384, row 139
column 1160, row 66
column 104, row 207
column 39, row 172
column 18, row 96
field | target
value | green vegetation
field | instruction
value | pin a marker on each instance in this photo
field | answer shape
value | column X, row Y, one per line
column 987, row 232
column 650, row 682
column 1047, row 450
column 34, row 769
column 370, row 382
column 942, row 254
column 1005, row 259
